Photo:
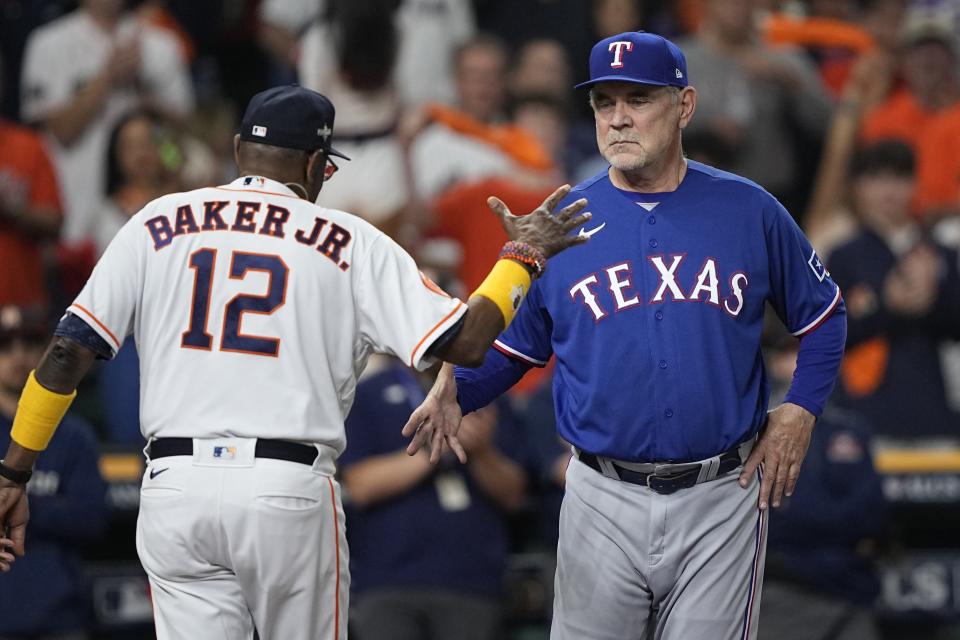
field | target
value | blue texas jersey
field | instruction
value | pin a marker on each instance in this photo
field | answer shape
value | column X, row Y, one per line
column 656, row 321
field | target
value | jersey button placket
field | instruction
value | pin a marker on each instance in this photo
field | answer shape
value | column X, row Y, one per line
column 657, row 335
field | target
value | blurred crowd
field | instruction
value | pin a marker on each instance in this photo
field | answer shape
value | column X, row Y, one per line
column 848, row 111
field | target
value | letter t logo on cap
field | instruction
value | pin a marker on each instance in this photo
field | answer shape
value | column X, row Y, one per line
column 618, row 48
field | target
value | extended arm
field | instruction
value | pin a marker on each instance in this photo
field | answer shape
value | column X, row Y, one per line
column 493, row 305
column 490, row 310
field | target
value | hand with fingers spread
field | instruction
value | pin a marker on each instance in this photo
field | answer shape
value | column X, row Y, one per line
column 779, row 453
column 437, row 419
column 542, row 229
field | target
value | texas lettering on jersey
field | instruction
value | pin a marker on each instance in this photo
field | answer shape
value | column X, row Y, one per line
column 241, row 216
column 665, row 307
column 618, row 280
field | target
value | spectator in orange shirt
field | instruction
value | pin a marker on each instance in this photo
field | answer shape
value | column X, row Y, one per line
column 938, row 166
column 929, row 72
column 30, row 214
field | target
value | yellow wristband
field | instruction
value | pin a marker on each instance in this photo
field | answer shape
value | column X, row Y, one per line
column 38, row 414
column 506, row 286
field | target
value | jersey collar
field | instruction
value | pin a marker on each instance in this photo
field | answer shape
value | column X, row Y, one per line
column 259, row 184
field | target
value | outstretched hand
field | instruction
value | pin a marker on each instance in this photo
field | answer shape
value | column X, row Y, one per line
column 779, row 453
column 437, row 419
column 541, row 228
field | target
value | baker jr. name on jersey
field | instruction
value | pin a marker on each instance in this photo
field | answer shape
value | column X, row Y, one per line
column 618, row 280
column 249, row 217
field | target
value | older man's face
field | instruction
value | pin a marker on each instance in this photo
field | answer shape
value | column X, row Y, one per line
column 636, row 123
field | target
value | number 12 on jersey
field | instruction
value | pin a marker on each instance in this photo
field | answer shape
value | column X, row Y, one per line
column 203, row 262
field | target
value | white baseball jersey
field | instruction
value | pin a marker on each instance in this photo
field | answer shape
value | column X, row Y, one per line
column 254, row 311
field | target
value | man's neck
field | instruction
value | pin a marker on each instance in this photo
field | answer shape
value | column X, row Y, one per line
column 652, row 179
column 273, row 174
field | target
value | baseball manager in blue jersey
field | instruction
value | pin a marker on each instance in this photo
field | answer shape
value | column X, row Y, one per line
column 660, row 386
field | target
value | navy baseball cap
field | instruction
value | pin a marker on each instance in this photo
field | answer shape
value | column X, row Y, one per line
column 637, row 56
column 292, row 117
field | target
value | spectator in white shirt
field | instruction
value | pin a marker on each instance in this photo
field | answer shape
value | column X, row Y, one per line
column 81, row 74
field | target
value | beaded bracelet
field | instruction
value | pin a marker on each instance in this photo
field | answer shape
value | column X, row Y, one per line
column 525, row 254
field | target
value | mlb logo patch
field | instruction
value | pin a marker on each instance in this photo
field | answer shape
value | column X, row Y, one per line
column 225, row 453
column 260, row 132
column 817, row 266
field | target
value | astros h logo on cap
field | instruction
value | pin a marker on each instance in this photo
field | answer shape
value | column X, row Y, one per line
column 637, row 56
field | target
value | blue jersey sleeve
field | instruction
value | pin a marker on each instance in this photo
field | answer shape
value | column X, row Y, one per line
column 818, row 362
column 801, row 290
column 528, row 336
column 479, row 387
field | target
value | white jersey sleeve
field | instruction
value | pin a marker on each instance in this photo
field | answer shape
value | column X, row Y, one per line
column 399, row 307
column 108, row 301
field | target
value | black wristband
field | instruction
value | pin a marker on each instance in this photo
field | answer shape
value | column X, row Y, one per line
column 14, row 475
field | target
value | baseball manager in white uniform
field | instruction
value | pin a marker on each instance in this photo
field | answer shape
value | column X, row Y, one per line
column 254, row 312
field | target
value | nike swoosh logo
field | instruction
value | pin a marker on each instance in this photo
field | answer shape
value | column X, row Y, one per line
column 586, row 234
column 155, row 472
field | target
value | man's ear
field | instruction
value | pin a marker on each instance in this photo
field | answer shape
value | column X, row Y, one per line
column 688, row 104
column 315, row 165
column 236, row 148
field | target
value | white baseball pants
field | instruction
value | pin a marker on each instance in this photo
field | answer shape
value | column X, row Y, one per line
column 229, row 544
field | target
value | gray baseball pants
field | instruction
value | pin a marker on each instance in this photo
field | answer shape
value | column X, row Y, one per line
column 633, row 564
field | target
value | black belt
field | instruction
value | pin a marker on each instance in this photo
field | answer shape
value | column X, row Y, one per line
column 276, row 449
column 665, row 483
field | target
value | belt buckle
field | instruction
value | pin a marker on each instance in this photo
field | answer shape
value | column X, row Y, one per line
column 665, row 485
column 662, row 485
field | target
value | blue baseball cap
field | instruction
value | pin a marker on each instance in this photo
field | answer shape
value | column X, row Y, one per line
column 637, row 56
column 292, row 117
